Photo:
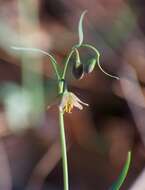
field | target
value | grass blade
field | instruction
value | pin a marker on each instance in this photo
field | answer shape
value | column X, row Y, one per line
column 117, row 185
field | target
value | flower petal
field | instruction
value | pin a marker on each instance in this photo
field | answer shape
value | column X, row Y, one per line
column 78, row 105
column 75, row 98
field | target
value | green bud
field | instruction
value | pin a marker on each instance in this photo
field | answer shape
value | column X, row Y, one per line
column 89, row 67
column 78, row 70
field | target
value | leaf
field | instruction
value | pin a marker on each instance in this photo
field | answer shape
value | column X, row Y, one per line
column 80, row 28
column 117, row 185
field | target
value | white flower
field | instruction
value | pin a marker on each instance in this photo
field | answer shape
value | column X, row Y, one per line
column 70, row 100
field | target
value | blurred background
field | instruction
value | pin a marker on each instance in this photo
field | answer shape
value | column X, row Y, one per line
column 99, row 137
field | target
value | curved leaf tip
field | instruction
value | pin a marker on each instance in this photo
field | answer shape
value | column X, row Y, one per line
column 80, row 28
column 117, row 185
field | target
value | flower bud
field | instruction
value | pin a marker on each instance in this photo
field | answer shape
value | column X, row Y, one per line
column 78, row 70
column 89, row 67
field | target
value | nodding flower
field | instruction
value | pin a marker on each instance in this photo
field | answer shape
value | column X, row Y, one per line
column 70, row 100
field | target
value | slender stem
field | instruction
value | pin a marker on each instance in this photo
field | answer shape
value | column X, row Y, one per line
column 53, row 61
column 66, row 63
column 63, row 150
column 62, row 129
column 98, row 60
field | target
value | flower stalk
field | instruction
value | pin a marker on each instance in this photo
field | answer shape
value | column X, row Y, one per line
column 63, row 139
column 63, row 150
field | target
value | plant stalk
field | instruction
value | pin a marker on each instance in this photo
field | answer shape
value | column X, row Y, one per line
column 63, row 150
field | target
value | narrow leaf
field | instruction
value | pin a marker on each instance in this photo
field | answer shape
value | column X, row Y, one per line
column 80, row 28
column 117, row 185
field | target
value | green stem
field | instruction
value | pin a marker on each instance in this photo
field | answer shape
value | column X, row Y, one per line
column 66, row 63
column 98, row 60
column 63, row 150
column 53, row 61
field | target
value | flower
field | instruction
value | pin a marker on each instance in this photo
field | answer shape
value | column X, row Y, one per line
column 70, row 100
